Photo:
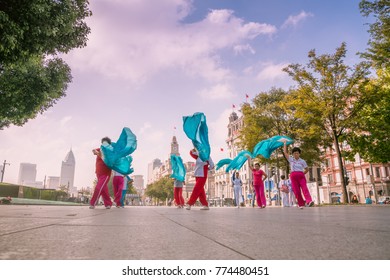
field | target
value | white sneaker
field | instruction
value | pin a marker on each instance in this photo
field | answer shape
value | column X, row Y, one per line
column 205, row 208
column 108, row 207
column 188, row 207
column 91, row 207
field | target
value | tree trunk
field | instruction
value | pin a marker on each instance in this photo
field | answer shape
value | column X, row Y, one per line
column 341, row 166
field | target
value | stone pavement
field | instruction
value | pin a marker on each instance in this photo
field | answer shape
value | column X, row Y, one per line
column 37, row 232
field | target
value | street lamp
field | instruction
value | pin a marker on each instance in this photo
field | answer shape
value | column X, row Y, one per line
column 2, row 171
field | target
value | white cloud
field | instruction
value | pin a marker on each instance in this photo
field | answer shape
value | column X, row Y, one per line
column 272, row 71
column 146, row 38
column 65, row 120
column 239, row 49
column 294, row 20
column 217, row 92
column 218, row 134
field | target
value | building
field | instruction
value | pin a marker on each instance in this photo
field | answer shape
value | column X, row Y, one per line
column 67, row 171
column 364, row 179
column 27, row 174
column 138, row 183
column 52, row 182
column 152, row 173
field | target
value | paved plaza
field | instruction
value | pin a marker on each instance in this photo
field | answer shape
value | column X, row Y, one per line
column 38, row 232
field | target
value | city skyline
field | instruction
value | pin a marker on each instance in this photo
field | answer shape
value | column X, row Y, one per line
column 148, row 64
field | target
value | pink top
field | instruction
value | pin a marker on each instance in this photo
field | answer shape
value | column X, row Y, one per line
column 257, row 176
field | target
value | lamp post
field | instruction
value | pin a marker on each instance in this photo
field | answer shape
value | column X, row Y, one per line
column 2, row 171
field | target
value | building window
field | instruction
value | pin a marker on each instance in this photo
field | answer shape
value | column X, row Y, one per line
column 311, row 178
column 330, row 179
column 319, row 179
column 367, row 171
column 387, row 171
column 377, row 172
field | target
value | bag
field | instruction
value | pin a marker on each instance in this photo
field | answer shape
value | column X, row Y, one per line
column 284, row 189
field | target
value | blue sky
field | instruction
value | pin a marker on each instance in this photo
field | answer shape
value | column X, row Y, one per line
column 149, row 63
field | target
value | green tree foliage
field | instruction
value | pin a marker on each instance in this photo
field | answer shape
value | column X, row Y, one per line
column 270, row 114
column 379, row 43
column 161, row 189
column 369, row 134
column 31, row 87
column 36, row 27
column 33, row 33
column 329, row 92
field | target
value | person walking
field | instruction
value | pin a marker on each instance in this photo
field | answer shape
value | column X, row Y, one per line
column 237, row 185
column 298, row 168
column 258, row 184
column 284, row 191
column 200, row 172
column 103, row 174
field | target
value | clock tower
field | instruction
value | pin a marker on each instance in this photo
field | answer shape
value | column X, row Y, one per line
column 174, row 147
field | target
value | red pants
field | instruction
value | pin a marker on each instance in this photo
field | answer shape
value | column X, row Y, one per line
column 299, row 186
column 117, row 186
column 101, row 189
column 260, row 195
column 178, row 195
column 198, row 192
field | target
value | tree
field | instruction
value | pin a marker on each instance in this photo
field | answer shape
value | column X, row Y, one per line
column 369, row 133
column 33, row 33
column 31, row 87
column 328, row 93
column 379, row 43
column 161, row 189
column 35, row 27
column 272, row 113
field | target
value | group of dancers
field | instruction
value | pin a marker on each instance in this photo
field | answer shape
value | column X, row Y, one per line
column 292, row 189
column 297, row 183
column 103, row 174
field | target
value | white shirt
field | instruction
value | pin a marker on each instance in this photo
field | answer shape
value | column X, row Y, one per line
column 297, row 164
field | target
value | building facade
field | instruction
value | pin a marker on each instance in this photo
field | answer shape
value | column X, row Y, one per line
column 27, row 174
column 68, row 170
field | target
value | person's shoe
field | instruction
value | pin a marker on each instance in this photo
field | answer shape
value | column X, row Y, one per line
column 108, row 207
column 311, row 204
column 300, row 207
column 205, row 208
column 91, row 207
column 262, row 206
column 188, row 207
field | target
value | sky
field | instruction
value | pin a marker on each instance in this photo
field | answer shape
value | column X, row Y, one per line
column 148, row 63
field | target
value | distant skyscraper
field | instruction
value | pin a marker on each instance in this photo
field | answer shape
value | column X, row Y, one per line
column 138, row 183
column 151, row 166
column 67, row 170
column 27, row 174
column 53, row 182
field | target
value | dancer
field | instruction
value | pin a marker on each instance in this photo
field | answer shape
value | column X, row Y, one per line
column 201, row 170
column 178, row 193
column 103, row 174
column 298, row 169
column 126, row 181
column 237, row 185
column 258, row 183
column 117, row 187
